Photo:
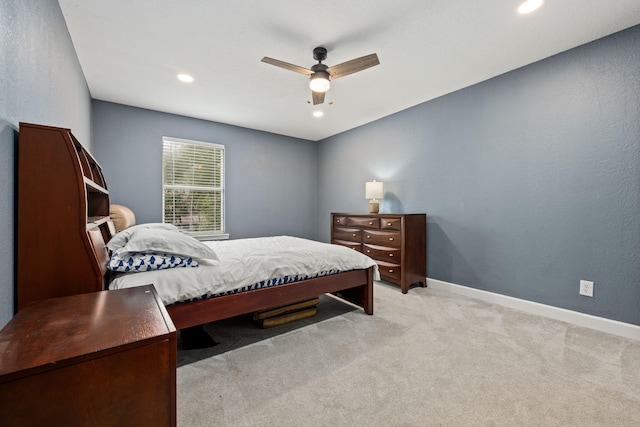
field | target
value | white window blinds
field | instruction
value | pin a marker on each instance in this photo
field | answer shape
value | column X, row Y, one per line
column 193, row 185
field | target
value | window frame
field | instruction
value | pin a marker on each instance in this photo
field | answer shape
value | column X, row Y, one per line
column 206, row 234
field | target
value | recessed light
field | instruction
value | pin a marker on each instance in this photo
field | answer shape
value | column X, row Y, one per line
column 318, row 113
column 185, row 78
column 529, row 6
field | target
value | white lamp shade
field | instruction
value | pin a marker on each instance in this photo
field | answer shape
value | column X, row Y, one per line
column 373, row 190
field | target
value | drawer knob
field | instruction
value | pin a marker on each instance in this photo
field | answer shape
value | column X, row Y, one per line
column 338, row 221
column 368, row 237
column 390, row 238
column 391, row 270
column 354, row 234
column 368, row 251
column 370, row 222
column 390, row 254
column 387, row 223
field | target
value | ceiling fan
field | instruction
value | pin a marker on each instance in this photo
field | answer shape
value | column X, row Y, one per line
column 321, row 75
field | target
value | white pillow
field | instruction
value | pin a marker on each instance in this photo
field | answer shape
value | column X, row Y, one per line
column 163, row 241
column 120, row 239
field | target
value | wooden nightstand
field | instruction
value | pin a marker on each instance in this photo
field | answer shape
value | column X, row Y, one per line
column 105, row 359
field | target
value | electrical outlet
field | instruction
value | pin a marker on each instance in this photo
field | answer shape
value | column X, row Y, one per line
column 586, row 288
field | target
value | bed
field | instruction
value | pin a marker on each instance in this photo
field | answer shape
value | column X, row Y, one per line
column 234, row 277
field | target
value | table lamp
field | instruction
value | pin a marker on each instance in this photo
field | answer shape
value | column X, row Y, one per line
column 373, row 190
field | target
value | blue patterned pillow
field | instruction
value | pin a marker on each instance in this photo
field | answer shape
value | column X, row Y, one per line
column 131, row 262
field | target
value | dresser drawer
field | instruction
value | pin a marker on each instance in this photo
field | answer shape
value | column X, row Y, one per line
column 382, row 238
column 349, row 234
column 339, row 221
column 382, row 253
column 353, row 245
column 364, row 222
column 389, row 271
column 391, row 223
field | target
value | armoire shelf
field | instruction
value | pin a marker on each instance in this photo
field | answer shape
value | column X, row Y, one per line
column 62, row 216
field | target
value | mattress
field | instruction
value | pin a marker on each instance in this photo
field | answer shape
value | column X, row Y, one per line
column 247, row 264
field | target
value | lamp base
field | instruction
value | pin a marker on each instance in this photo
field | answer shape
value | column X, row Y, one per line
column 374, row 206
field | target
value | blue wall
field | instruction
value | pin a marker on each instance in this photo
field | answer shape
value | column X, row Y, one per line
column 270, row 179
column 40, row 82
column 531, row 180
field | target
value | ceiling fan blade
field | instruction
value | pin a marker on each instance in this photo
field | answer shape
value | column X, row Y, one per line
column 287, row 66
column 353, row 66
column 318, row 97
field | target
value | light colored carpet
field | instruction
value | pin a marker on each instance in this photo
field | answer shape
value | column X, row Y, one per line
column 427, row 358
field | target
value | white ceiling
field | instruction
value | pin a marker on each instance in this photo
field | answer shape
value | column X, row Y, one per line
column 132, row 50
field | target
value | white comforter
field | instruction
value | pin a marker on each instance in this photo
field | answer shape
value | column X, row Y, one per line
column 244, row 262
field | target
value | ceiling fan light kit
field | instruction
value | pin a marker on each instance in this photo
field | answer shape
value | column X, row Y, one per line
column 321, row 75
column 319, row 82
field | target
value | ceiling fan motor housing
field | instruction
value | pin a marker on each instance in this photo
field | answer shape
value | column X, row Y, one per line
column 320, row 68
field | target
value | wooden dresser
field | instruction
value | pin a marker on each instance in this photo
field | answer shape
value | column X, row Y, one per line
column 95, row 359
column 397, row 242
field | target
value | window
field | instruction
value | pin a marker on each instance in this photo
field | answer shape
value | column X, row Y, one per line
column 193, row 186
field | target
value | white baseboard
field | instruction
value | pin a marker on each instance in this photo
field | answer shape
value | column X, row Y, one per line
column 601, row 324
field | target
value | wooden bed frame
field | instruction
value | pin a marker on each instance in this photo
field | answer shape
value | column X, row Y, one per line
column 82, row 219
column 355, row 286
